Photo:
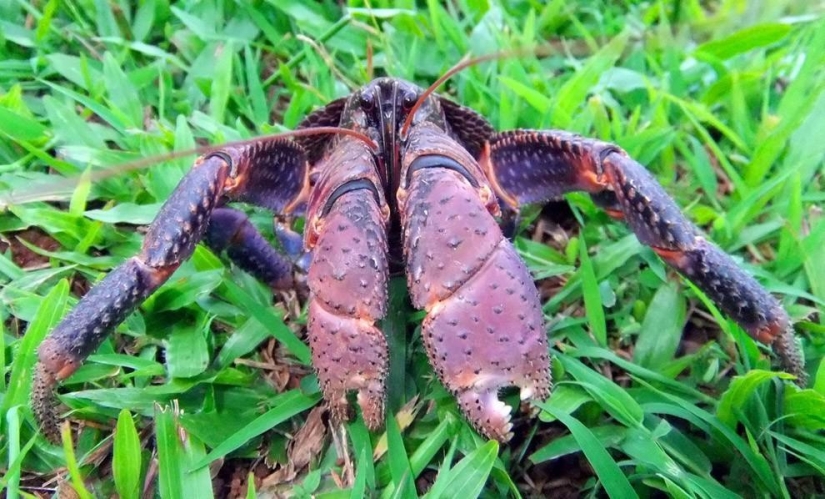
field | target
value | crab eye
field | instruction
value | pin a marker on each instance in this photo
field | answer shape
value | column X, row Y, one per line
column 409, row 99
column 367, row 99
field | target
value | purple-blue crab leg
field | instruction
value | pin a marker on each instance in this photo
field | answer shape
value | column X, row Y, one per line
column 250, row 173
column 230, row 230
column 528, row 166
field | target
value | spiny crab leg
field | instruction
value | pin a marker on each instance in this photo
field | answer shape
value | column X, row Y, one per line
column 533, row 166
column 484, row 328
column 348, row 283
column 181, row 223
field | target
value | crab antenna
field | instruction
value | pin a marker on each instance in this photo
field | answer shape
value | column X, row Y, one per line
column 462, row 65
column 53, row 191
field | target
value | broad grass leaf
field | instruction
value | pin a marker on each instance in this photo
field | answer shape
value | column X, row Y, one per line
column 609, row 395
column 183, row 290
column 243, row 340
column 573, row 93
column 187, row 352
column 77, row 477
column 662, row 327
column 810, row 452
column 19, row 127
column 609, row 436
column 49, row 311
column 567, row 398
column 136, row 214
column 467, row 478
column 287, row 405
column 739, row 391
column 362, row 447
column 221, row 82
column 402, row 477
column 138, row 400
column 819, row 379
column 752, row 37
column 269, row 318
column 126, row 459
column 359, row 488
column 805, row 409
column 592, row 298
column 752, row 460
column 615, row 482
column 125, row 98
column 177, row 453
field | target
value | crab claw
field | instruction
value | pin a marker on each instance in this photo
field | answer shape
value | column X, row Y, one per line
column 348, row 279
column 484, row 329
column 349, row 354
column 487, row 413
column 487, row 336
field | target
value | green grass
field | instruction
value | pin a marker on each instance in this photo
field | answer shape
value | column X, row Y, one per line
column 655, row 390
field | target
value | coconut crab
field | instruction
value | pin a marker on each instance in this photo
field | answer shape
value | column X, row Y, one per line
column 394, row 178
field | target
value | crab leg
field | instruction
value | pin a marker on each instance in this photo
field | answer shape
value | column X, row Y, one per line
column 484, row 328
column 230, row 230
column 535, row 166
column 171, row 239
column 346, row 231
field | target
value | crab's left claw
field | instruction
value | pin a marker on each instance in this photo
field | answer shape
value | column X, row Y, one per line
column 348, row 278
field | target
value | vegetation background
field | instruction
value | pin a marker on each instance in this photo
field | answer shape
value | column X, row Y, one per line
column 208, row 385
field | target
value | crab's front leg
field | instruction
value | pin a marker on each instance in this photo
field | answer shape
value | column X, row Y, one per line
column 534, row 166
column 171, row 239
column 484, row 328
column 346, row 231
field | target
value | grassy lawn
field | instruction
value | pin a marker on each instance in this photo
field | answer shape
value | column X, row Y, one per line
column 207, row 389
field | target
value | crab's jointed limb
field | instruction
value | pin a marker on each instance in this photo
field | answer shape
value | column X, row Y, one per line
column 348, row 282
column 528, row 166
column 484, row 329
column 192, row 213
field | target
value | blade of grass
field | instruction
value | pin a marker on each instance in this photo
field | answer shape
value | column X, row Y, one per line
column 592, row 297
column 615, row 482
column 71, row 462
column 467, row 478
column 286, row 405
column 177, row 451
column 126, row 465
column 50, row 310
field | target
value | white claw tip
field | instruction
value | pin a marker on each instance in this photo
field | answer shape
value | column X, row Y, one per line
column 527, row 393
column 500, row 409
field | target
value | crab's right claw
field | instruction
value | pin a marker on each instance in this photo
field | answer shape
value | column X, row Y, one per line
column 484, row 329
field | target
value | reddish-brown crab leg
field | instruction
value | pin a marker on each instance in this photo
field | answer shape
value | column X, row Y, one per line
column 346, row 231
column 171, row 239
column 534, row 166
column 484, row 328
